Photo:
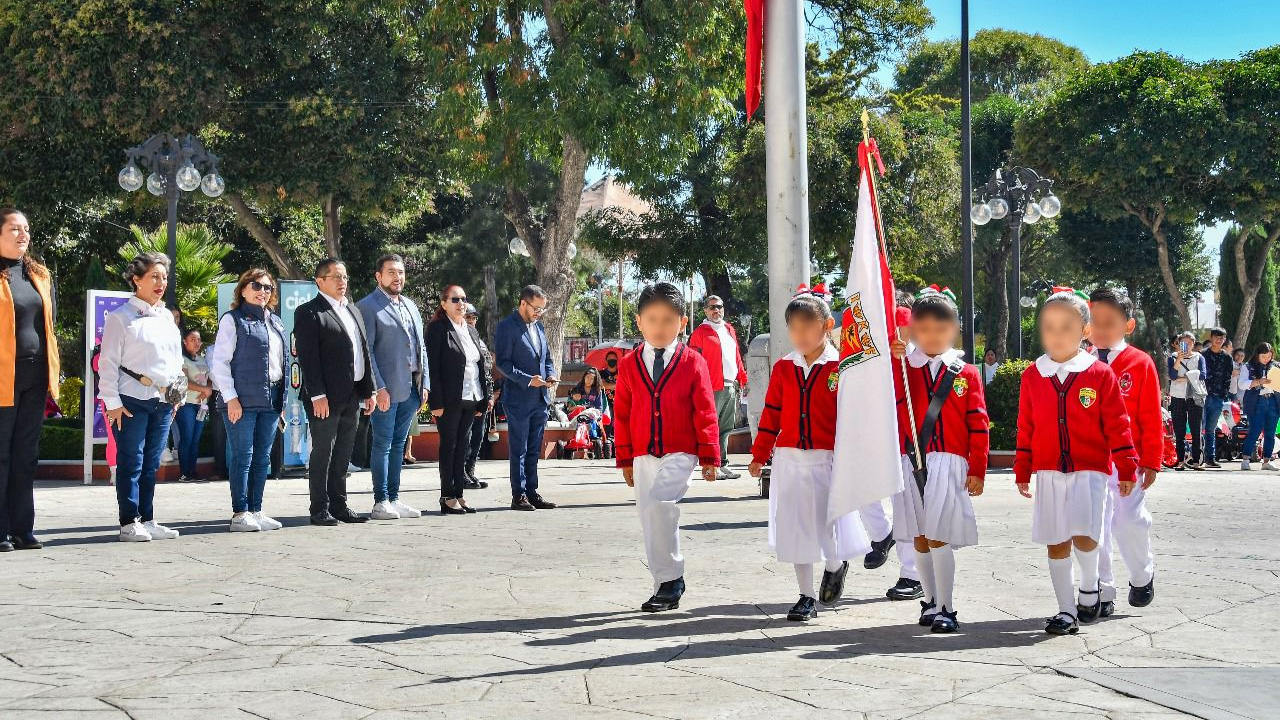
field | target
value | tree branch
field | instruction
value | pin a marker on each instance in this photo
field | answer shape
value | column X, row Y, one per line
column 286, row 268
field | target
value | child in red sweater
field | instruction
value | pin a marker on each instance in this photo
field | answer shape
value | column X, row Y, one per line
column 664, row 427
column 955, row 453
column 798, row 428
column 1072, row 433
column 1126, row 519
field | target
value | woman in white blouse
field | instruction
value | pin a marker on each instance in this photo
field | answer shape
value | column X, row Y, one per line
column 141, row 357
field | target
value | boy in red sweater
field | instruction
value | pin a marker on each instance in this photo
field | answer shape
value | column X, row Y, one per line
column 1126, row 518
column 664, row 427
column 798, row 428
column 1073, row 432
column 955, row 453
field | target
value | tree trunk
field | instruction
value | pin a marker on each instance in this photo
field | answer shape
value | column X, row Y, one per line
column 332, row 226
column 490, row 303
column 1249, row 275
column 286, row 268
column 1154, row 220
column 997, row 325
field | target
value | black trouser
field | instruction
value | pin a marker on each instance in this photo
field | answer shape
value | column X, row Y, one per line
column 455, row 441
column 332, row 439
column 478, row 432
column 1186, row 412
column 20, row 447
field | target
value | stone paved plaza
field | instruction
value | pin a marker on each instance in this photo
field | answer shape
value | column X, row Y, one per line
column 534, row 615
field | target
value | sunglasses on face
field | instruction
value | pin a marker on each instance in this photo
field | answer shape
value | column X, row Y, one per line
column 261, row 287
column 457, row 300
column 715, row 307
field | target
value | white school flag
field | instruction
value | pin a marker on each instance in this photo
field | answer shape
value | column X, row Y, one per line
column 868, row 465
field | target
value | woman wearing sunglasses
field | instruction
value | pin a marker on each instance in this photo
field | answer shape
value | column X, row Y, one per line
column 460, row 390
column 248, row 365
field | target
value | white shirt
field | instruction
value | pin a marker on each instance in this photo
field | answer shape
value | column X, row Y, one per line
column 1179, row 387
column 989, row 372
column 1113, row 351
column 728, row 350
column 471, row 372
column 344, row 310
column 144, row 339
column 1246, row 378
column 828, row 354
column 918, row 358
column 1048, row 367
column 648, row 356
column 224, row 348
column 532, row 329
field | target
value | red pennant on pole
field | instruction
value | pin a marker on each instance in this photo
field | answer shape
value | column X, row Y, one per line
column 755, row 52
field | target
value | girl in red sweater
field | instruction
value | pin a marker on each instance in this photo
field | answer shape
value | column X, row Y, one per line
column 798, row 428
column 1072, row 431
column 955, row 454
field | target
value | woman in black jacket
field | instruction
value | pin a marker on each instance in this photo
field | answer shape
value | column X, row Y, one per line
column 460, row 390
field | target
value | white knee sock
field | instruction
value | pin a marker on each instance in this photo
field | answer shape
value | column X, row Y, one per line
column 944, row 576
column 1088, row 569
column 1064, row 585
column 924, row 564
column 804, row 576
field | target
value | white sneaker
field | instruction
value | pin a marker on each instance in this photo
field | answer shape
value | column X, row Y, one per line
column 134, row 532
column 267, row 523
column 384, row 511
column 244, row 522
column 1266, row 465
column 404, row 510
column 1244, row 464
column 352, row 467
column 168, row 456
column 158, row 531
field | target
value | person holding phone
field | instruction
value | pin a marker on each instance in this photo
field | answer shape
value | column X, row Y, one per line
column 1186, row 372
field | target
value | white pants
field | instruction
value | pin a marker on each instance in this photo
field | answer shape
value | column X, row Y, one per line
column 877, row 518
column 660, row 483
column 1127, row 520
column 798, row 498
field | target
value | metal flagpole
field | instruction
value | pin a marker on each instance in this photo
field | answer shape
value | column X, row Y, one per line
column 786, row 163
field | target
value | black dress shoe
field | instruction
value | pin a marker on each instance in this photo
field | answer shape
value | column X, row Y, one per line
column 475, row 484
column 1089, row 613
column 324, row 518
column 833, row 584
column 1213, row 464
column 906, row 589
column 944, row 622
column 468, row 509
column 1142, row 596
column 347, row 516
column 522, row 503
column 928, row 611
column 29, row 542
column 540, row 503
column 6, row 546
column 667, row 597
column 879, row 554
column 1107, row 609
column 804, row 609
column 1062, row 624
column 446, row 510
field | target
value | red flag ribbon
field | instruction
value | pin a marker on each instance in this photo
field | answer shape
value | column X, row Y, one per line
column 755, row 52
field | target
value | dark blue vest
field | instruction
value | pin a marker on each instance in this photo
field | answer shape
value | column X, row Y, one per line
column 250, row 365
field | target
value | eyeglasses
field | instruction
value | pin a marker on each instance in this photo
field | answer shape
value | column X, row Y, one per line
column 339, row 278
column 457, row 300
column 715, row 307
column 537, row 309
column 260, row 287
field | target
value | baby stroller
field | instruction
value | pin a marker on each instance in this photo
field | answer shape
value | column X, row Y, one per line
column 588, row 442
column 1169, row 458
column 1229, row 432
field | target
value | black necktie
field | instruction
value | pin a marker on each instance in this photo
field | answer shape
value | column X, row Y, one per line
column 1104, row 354
column 658, row 363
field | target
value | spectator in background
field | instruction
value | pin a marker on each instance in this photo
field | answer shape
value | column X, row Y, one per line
column 459, row 392
column 141, row 357
column 480, row 426
column 1218, row 365
column 1238, row 359
column 28, row 374
column 1186, row 371
column 989, row 367
column 190, row 418
column 717, row 341
column 1261, row 405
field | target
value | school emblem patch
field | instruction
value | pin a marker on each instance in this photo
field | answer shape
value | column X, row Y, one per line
column 856, row 344
column 833, row 381
column 1126, row 383
column 961, row 386
column 1088, row 396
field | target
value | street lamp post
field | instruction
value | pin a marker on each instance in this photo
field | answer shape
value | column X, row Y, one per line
column 1016, row 195
column 175, row 164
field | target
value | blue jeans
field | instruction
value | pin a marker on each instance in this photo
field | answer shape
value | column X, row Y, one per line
column 386, row 457
column 140, row 441
column 1212, row 412
column 524, row 440
column 249, row 444
column 1263, row 412
column 189, row 429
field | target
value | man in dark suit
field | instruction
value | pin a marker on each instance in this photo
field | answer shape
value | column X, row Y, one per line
column 337, row 384
column 529, row 378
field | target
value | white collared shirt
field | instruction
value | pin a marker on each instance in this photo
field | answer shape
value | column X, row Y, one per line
column 1080, row 362
column 989, row 372
column 144, row 339
column 648, row 356
column 224, row 348
column 344, row 310
column 1113, row 351
column 471, row 372
column 918, row 358
column 728, row 350
column 828, row 354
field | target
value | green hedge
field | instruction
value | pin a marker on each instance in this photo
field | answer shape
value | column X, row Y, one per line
column 1002, row 403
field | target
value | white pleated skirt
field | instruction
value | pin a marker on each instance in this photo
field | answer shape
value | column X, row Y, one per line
column 799, row 490
column 1068, row 505
column 945, row 513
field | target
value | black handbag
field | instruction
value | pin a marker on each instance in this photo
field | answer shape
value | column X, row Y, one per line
column 918, row 469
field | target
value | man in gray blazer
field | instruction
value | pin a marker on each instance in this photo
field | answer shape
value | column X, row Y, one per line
column 398, row 360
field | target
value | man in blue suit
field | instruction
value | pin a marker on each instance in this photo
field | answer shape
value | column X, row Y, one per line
column 529, row 379
column 398, row 361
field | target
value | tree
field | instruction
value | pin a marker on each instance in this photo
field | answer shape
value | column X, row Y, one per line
column 1130, row 137
column 1019, row 65
column 1264, row 325
column 198, row 270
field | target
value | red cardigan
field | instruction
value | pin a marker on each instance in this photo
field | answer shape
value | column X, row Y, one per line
column 677, row 414
column 1140, row 387
column 1072, row 425
column 963, row 427
column 799, row 412
column 706, row 340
